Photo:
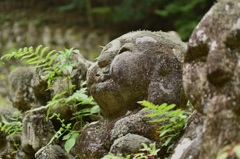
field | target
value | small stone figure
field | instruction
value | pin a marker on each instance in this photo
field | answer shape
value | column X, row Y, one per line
column 136, row 66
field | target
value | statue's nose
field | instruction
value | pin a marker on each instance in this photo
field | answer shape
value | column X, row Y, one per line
column 220, row 66
column 105, row 59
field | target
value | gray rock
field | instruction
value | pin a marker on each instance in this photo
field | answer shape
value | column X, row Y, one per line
column 128, row 144
column 100, row 138
column 7, row 146
column 22, row 155
column 136, row 66
column 189, row 145
column 212, row 75
column 134, row 124
column 36, row 132
column 90, row 145
column 52, row 152
column 21, row 92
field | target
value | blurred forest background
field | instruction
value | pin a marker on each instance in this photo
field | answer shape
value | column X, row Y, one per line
column 88, row 24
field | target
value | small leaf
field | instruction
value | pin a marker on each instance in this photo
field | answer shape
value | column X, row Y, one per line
column 223, row 155
column 75, row 135
column 236, row 149
column 69, row 144
column 25, row 49
column 95, row 109
column 30, row 49
column 28, row 56
column 49, row 54
column 170, row 107
column 153, row 115
column 164, row 132
column 159, row 120
column 43, row 51
column 167, row 141
column 52, row 59
column 69, row 68
column 162, row 106
column 32, row 60
column 20, row 50
column 66, row 137
column 76, row 51
column 37, row 49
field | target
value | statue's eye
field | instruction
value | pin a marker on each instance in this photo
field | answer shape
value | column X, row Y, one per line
column 126, row 47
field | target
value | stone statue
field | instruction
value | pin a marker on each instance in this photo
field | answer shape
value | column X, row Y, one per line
column 212, row 76
column 21, row 92
column 136, row 66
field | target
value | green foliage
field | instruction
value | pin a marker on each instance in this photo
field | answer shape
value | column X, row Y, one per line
column 13, row 125
column 78, row 98
column 73, row 4
column 146, row 153
column 112, row 156
column 173, row 120
column 178, row 15
column 132, row 10
column 229, row 151
column 54, row 65
column 53, row 62
column 70, row 140
column 185, row 12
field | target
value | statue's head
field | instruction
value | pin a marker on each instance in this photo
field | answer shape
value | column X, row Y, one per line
column 212, row 62
column 137, row 66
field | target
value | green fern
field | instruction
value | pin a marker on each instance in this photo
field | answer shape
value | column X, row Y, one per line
column 40, row 58
column 58, row 64
column 31, row 57
column 174, row 120
column 13, row 125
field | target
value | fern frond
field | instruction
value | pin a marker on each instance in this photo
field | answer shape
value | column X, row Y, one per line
column 32, row 60
column 42, row 65
column 50, row 54
column 52, row 59
column 37, row 49
column 26, row 57
column 36, row 62
column 43, row 51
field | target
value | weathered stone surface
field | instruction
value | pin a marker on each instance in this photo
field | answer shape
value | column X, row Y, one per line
column 90, row 145
column 128, row 144
column 189, row 145
column 28, row 90
column 136, row 66
column 61, row 84
column 22, row 155
column 36, row 132
column 212, row 75
column 101, row 138
column 7, row 142
column 21, row 93
column 52, row 152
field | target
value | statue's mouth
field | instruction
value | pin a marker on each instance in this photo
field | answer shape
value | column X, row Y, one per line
column 104, row 77
column 103, row 74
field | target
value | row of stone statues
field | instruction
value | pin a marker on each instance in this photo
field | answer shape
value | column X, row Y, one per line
column 153, row 66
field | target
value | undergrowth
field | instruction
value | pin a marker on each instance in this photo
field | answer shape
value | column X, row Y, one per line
column 173, row 121
column 58, row 64
column 54, row 65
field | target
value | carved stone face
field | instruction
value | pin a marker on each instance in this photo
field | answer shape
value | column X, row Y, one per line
column 136, row 66
column 211, row 69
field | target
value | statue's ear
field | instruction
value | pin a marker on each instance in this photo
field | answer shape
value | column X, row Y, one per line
column 145, row 39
